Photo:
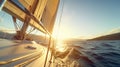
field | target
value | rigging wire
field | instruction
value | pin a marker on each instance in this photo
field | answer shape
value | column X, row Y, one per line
column 15, row 23
column 45, row 38
column 20, row 23
column 47, row 51
column 30, row 15
column 31, row 30
column 17, row 27
column 59, row 23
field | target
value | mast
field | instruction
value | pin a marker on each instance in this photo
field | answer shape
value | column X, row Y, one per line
column 39, row 14
column 21, row 34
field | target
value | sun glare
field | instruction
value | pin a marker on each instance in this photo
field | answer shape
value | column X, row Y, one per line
column 62, row 34
column 60, row 47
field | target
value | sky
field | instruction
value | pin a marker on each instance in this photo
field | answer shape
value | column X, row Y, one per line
column 81, row 18
column 6, row 22
column 87, row 18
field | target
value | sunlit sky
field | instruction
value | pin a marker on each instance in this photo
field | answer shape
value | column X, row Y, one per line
column 81, row 18
column 87, row 18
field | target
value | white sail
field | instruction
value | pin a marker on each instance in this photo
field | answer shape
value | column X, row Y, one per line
column 45, row 9
column 49, row 14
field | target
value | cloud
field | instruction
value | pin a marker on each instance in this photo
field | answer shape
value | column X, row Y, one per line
column 115, row 30
column 3, row 29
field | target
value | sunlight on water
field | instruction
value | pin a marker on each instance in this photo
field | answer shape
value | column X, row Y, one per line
column 60, row 47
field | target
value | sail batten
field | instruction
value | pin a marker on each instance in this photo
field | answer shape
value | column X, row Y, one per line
column 21, row 15
column 41, row 13
column 49, row 14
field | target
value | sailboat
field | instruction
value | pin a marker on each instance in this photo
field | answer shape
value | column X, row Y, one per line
column 21, row 50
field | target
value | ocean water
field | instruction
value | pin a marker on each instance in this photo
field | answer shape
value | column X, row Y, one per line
column 102, row 53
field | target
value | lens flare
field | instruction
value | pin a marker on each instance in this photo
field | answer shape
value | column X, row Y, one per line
column 60, row 47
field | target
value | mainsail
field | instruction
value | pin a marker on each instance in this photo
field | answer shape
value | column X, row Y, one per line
column 49, row 14
column 40, row 14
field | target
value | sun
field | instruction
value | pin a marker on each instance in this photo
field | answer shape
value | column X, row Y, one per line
column 62, row 34
column 60, row 47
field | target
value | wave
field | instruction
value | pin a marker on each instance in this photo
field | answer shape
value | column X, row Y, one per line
column 101, row 54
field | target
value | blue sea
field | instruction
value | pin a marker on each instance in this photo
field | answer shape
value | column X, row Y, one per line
column 102, row 53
